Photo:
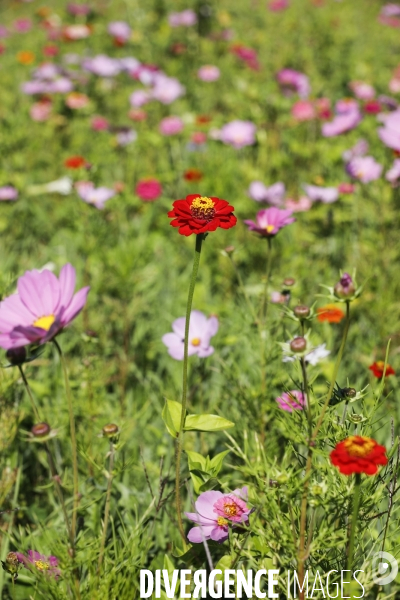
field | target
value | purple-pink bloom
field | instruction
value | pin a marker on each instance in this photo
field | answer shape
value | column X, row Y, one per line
column 359, row 149
column 362, row 90
column 91, row 195
column 102, row 65
column 48, row 565
column 294, row 81
column 324, row 194
column 139, row 98
column 166, row 89
column 41, row 308
column 171, row 125
column 290, row 401
column 364, row 168
column 274, row 194
column 346, row 105
column 23, row 25
column 390, row 10
column 8, row 192
column 186, row 18
column 214, row 512
column 238, row 133
column 390, row 132
column 342, row 123
column 3, row 32
column 393, row 175
column 270, row 220
column 201, row 330
column 119, row 30
column 208, row 73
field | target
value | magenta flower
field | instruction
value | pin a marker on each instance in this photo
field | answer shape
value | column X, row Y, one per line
column 23, row 25
column 364, row 168
column 201, row 330
column 148, row 189
column 214, row 512
column 171, row 125
column 274, row 194
column 278, row 5
column 8, row 192
column 303, row 110
column 327, row 195
column 270, row 220
column 208, row 73
column 290, row 401
column 42, row 307
column 342, row 123
column 95, row 196
column 119, row 30
column 99, row 123
column 294, row 81
column 238, row 133
column 48, row 565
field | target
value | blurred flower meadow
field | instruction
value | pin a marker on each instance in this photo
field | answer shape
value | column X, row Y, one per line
column 199, row 291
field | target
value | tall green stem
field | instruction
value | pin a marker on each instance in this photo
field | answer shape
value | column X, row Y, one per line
column 356, row 506
column 179, row 440
column 107, row 506
column 28, row 389
column 267, row 276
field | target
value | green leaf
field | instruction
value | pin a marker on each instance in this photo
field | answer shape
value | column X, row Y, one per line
column 207, row 423
column 196, row 461
column 171, row 415
column 216, row 462
column 210, row 484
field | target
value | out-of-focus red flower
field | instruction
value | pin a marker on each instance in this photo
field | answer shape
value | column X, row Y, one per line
column 2, row 48
column 75, row 162
column 148, row 189
column 200, row 214
column 198, row 137
column 372, row 107
column 330, row 313
column 378, row 368
column 203, row 120
column 346, row 188
column 193, row 175
column 247, row 55
column 137, row 114
column 50, row 50
column 358, row 454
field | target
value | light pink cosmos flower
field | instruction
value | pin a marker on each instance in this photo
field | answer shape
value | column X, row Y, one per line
column 201, row 330
column 364, row 168
column 102, row 65
column 171, row 125
column 77, row 100
column 294, row 81
column 274, row 194
column 390, row 132
column 166, row 89
column 393, row 175
column 301, row 205
column 95, row 196
column 125, row 136
column 290, row 401
column 238, row 133
column 186, row 18
column 139, row 98
column 362, row 90
column 359, row 149
column 390, row 10
column 346, row 105
column 270, row 220
column 119, row 30
column 342, row 123
column 327, row 195
column 394, row 85
column 78, row 31
column 303, row 110
column 41, row 111
column 47, row 565
column 214, row 512
column 208, row 73
column 41, row 308
column 8, row 192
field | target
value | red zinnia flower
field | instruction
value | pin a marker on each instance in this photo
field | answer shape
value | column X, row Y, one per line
column 74, row 162
column 199, row 214
column 193, row 175
column 330, row 313
column 358, row 454
column 378, row 368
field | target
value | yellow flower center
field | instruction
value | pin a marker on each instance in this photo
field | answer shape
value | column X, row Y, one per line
column 202, row 208
column 380, row 364
column 230, row 509
column 45, row 322
column 269, row 228
column 221, row 521
column 195, row 342
column 359, row 446
column 41, row 565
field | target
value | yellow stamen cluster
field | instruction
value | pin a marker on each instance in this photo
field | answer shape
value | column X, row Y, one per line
column 45, row 322
column 359, row 446
column 269, row 228
column 202, row 208
column 230, row 509
column 221, row 521
column 41, row 565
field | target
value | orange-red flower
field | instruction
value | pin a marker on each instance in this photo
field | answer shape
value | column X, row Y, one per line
column 330, row 313
column 358, row 454
column 200, row 214
column 378, row 369
column 193, row 175
column 25, row 57
column 75, row 162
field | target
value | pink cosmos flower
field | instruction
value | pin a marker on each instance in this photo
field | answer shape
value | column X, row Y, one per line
column 48, row 565
column 99, row 123
column 3, row 32
column 208, row 73
column 214, row 512
column 346, row 105
column 125, row 136
column 359, row 149
column 278, row 5
column 393, row 175
column 390, row 10
column 346, row 188
column 41, row 111
column 327, row 195
column 102, row 65
column 42, row 307
column 198, row 138
column 302, row 205
column 95, row 196
column 273, row 194
column 186, row 18
column 148, row 189
column 23, row 25
column 78, row 10
column 363, row 91
column 79, row 31
column 364, row 168
column 290, row 401
column 166, row 89
column 247, row 55
column 76, row 100
column 238, row 133
column 8, row 192
column 294, row 81
column 303, row 110
column 270, row 220
column 119, row 30
column 171, row 125
column 341, row 123
column 201, row 330
column 139, row 98
column 390, row 132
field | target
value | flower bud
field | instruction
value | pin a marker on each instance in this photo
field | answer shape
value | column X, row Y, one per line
column 11, row 564
column 298, row 344
column 349, row 392
column 230, row 249
column 111, row 431
column 289, row 281
column 301, row 311
column 16, row 356
column 345, row 287
column 40, row 430
column 357, row 418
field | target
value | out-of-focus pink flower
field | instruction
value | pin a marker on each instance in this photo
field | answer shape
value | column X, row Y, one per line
column 166, row 89
column 208, row 73
column 99, row 123
column 393, row 175
column 290, row 401
column 327, row 195
column 120, row 30
column 8, row 192
column 148, row 189
column 362, row 90
column 278, row 5
column 359, row 149
column 394, row 85
column 346, row 105
column 3, row 32
column 341, row 123
column 390, row 132
column 137, row 115
column 95, row 196
column 23, row 25
column 273, row 194
column 277, row 298
column 364, row 168
column 41, row 110
column 139, row 98
column 125, row 136
column 301, row 205
column 390, row 10
column 76, row 100
column 346, row 188
column 270, row 220
column 294, row 81
column 372, row 107
column 47, row 565
column 238, row 133
column 303, row 110
column 41, row 308
column 171, row 125
column 323, row 108
column 102, row 65
column 201, row 330
column 50, row 50
column 198, row 137
column 247, row 55
column 76, row 32
column 78, row 10
column 186, row 18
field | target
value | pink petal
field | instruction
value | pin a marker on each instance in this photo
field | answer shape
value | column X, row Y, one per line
column 75, row 307
column 67, row 284
column 13, row 312
column 205, row 503
column 40, row 292
column 197, row 534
